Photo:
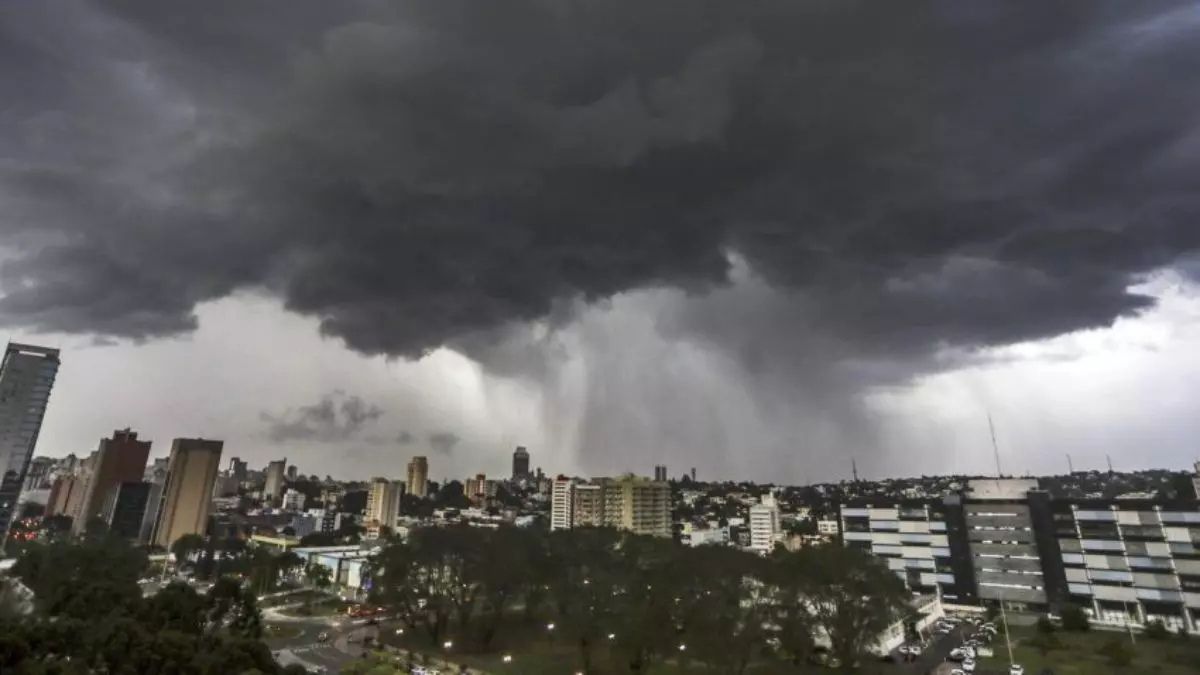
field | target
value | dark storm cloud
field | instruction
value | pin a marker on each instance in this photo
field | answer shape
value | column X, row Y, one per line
column 336, row 417
column 443, row 442
column 906, row 176
column 405, row 438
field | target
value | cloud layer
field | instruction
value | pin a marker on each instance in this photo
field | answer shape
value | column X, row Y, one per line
column 336, row 417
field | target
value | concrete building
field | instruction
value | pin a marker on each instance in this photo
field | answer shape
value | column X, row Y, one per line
column 125, row 508
column 475, row 489
column 273, row 484
column 561, row 504
column 383, row 504
column 37, row 477
column 237, row 468
column 638, row 505
column 293, row 500
column 75, row 506
column 418, row 476
column 120, row 459
column 26, row 377
column 187, row 492
column 660, row 472
column 1196, row 481
column 292, row 472
column 520, row 464
column 156, row 477
column 587, row 505
column 764, row 525
column 827, row 527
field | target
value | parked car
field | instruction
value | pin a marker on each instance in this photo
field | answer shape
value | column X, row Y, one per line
column 322, row 636
column 1016, row 669
column 968, row 666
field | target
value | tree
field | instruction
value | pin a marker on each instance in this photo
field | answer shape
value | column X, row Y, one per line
column 1157, row 630
column 1116, row 652
column 1073, row 618
column 851, row 595
column 725, row 607
column 1045, row 626
column 1044, row 642
column 319, row 539
column 185, row 546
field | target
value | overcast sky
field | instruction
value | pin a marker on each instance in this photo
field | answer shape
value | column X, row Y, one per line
column 758, row 237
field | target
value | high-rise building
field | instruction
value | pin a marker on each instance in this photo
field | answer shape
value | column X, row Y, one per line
column 693, row 474
column 292, row 472
column 476, row 489
column 660, row 472
column 418, row 476
column 60, row 493
column 764, row 525
column 520, row 463
column 26, row 378
column 187, row 493
column 638, row 505
column 75, row 506
column 562, row 504
column 38, row 475
column 125, row 508
column 120, row 459
column 237, row 468
column 383, row 503
column 1196, row 481
column 156, row 478
column 273, row 487
column 587, row 505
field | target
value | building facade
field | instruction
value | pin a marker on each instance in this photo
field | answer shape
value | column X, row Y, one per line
column 520, row 464
column 561, row 504
column 125, row 508
column 418, row 476
column 383, row 504
column 26, row 378
column 187, row 492
column 639, row 505
column 293, row 500
column 764, row 525
column 273, row 480
column 120, row 459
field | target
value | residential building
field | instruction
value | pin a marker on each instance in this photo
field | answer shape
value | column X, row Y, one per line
column 764, row 525
column 237, row 468
column 561, row 504
column 76, row 506
column 60, row 494
column 125, row 508
column 638, row 505
column 26, row 377
column 37, row 477
column 713, row 535
column 292, row 472
column 273, row 482
column 156, row 477
column 187, row 491
column 587, row 505
column 418, row 476
column 475, row 489
column 293, row 500
column 520, row 464
column 1004, row 548
column 660, row 472
column 120, row 459
column 1196, row 481
column 827, row 527
column 383, row 504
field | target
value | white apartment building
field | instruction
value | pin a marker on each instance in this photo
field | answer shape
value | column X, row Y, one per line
column 293, row 500
column 383, row 505
column 764, row 525
column 562, row 504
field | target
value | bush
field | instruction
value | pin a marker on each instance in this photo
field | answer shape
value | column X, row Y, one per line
column 1117, row 652
column 1045, row 642
column 1074, row 618
column 1045, row 626
column 1157, row 630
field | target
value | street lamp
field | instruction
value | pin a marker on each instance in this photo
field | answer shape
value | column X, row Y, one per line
column 550, row 626
column 507, row 658
column 447, row 644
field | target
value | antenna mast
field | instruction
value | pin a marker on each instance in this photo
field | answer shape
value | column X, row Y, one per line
column 854, row 468
column 1070, row 466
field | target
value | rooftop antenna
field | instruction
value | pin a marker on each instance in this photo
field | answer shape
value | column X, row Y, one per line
column 1070, row 466
column 995, row 447
column 854, row 468
column 1109, row 463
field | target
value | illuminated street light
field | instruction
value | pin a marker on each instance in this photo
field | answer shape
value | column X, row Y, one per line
column 447, row 644
column 549, row 626
column 683, row 648
column 507, row 658
column 612, row 636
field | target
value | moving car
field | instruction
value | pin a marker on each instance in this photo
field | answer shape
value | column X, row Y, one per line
column 1016, row 669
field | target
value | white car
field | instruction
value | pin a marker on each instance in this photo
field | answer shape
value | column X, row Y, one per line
column 957, row 671
column 915, row 650
column 1016, row 669
column 968, row 666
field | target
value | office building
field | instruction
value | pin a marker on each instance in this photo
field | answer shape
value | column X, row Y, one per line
column 125, row 508
column 418, row 476
column 273, row 485
column 1004, row 549
column 638, row 505
column 187, row 491
column 587, row 505
column 60, row 493
column 37, row 477
column 764, row 525
column 561, row 506
column 293, row 500
column 120, row 459
column 476, row 489
column 237, row 468
column 383, row 503
column 26, row 378
column 660, row 472
column 520, row 464
column 75, row 506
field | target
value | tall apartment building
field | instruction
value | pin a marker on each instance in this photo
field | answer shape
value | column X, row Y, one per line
column 26, row 378
column 418, row 476
column 273, row 484
column 237, row 468
column 587, row 505
column 475, row 489
column 293, row 500
column 1008, row 542
column 125, row 508
column 187, row 492
column 639, row 505
column 76, row 506
column 764, row 525
column 520, row 464
column 37, row 476
column 660, row 472
column 561, row 507
column 383, row 504
column 120, row 459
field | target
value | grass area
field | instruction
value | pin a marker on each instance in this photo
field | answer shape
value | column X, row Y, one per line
column 1080, row 654
column 281, row 631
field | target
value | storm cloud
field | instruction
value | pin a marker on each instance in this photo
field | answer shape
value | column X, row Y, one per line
column 336, row 417
column 849, row 191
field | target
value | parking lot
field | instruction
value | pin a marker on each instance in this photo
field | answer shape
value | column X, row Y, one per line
column 934, row 654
